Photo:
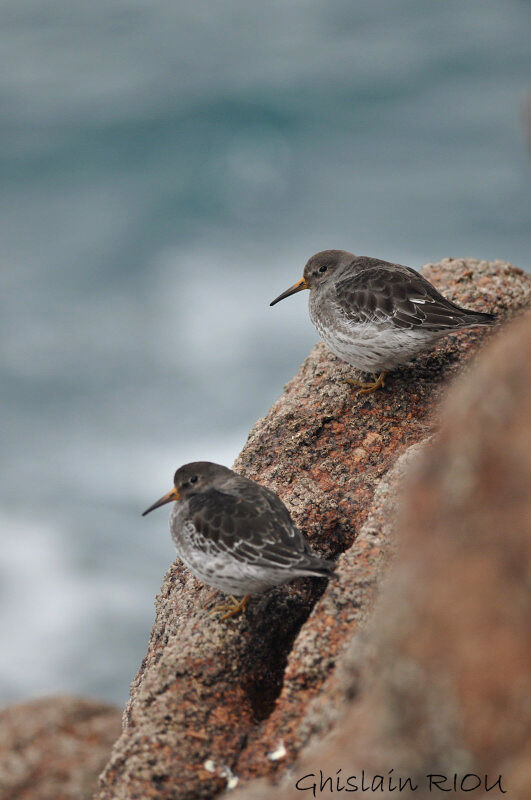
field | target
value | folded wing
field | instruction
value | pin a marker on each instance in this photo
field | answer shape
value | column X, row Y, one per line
column 390, row 294
column 256, row 530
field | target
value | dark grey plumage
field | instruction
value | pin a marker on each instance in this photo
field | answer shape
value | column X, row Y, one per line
column 378, row 291
column 234, row 534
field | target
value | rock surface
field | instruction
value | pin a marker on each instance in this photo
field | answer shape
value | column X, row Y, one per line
column 54, row 748
column 446, row 658
column 212, row 700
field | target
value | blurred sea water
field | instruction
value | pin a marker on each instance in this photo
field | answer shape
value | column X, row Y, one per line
column 166, row 170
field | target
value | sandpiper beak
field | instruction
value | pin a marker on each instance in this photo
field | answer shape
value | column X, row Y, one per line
column 172, row 495
column 297, row 287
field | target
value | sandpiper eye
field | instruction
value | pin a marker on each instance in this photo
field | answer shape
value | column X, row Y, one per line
column 194, row 479
column 323, row 268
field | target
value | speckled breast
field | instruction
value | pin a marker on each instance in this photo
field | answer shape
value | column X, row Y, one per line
column 370, row 346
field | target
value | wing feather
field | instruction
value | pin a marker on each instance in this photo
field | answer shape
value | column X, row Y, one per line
column 258, row 530
column 382, row 293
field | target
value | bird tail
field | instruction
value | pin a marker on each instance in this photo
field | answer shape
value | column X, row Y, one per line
column 319, row 567
column 478, row 318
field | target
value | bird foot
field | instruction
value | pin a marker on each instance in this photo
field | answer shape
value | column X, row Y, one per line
column 367, row 388
column 232, row 609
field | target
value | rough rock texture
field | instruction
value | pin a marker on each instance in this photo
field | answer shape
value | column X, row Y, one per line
column 446, row 664
column 212, row 699
column 54, row 748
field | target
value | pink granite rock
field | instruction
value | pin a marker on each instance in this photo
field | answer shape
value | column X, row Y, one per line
column 54, row 748
column 213, row 699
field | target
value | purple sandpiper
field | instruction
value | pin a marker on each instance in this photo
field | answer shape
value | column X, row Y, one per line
column 236, row 535
column 376, row 315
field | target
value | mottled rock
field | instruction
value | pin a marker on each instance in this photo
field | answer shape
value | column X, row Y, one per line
column 446, row 680
column 54, row 748
column 214, row 699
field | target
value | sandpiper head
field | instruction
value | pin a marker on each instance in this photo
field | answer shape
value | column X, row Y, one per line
column 191, row 479
column 318, row 269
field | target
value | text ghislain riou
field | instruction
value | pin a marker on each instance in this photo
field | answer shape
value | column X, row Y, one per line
column 318, row 784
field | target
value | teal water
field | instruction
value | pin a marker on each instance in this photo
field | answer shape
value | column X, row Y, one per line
column 166, row 170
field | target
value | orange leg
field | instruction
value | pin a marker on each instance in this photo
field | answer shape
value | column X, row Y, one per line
column 367, row 388
column 233, row 608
